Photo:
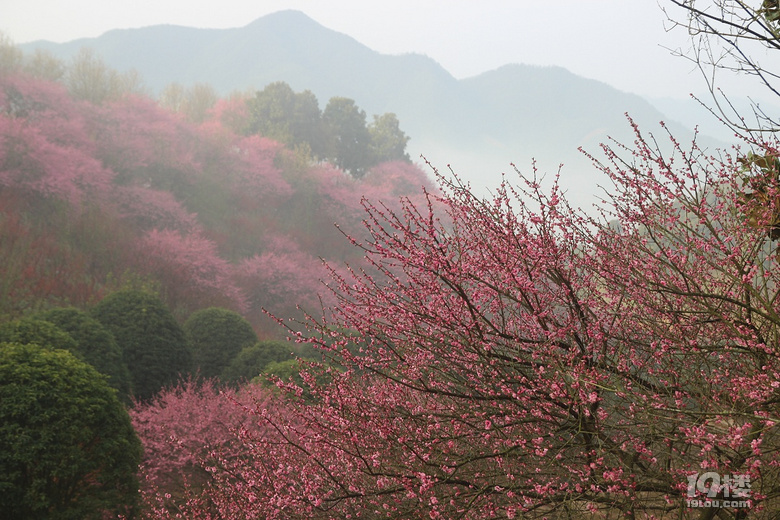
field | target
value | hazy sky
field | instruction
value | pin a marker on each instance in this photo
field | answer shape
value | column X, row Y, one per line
column 620, row 42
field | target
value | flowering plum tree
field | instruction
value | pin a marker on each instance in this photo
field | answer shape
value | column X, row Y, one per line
column 34, row 264
column 191, row 269
column 148, row 208
column 392, row 180
column 330, row 196
column 233, row 113
column 145, row 145
column 281, row 277
column 519, row 358
column 256, row 175
column 181, row 429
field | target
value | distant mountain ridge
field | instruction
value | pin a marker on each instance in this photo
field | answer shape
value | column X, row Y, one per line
column 479, row 125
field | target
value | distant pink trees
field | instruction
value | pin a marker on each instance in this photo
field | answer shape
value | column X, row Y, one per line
column 145, row 144
column 46, row 150
column 281, row 277
column 395, row 180
column 257, row 178
column 191, row 271
column 48, row 176
column 386, row 182
column 232, row 114
column 516, row 358
column 203, row 211
column 148, row 208
column 35, row 267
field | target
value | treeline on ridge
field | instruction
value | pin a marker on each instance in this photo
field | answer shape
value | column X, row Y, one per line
column 339, row 134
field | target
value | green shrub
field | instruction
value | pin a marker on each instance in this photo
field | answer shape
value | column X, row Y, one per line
column 216, row 336
column 252, row 360
column 39, row 332
column 95, row 343
column 67, row 447
column 153, row 345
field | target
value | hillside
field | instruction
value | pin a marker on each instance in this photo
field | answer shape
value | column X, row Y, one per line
column 479, row 125
column 97, row 197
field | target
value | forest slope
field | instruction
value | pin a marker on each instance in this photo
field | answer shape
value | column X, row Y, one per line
column 97, row 197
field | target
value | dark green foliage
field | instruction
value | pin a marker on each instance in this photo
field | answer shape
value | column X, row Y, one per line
column 153, row 345
column 38, row 332
column 284, row 370
column 290, row 371
column 308, row 126
column 67, row 447
column 271, row 112
column 95, row 344
column 388, row 141
column 339, row 133
column 351, row 139
column 216, row 336
column 292, row 118
column 254, row 359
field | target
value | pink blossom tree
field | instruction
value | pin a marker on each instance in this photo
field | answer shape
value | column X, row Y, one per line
column 148, row 209
column 146, row 145
column 190, row 269
column 281, row 278
column 35, row 267
column 257, row 175
column 519, row 358
column 182, row 429
column 45, row 148
column 232, row 113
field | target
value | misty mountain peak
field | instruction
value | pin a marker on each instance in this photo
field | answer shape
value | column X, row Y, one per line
column 287, row 17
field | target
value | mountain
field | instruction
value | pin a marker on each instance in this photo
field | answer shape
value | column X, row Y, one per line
column 478, row 125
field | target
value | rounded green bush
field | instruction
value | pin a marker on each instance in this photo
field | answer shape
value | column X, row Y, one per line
column 67, row 447
column 153, row 345
column 253, row 359
column 95, row 343
column 39, row 332
column 217, row 335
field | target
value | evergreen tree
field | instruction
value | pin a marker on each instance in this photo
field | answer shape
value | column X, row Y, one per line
column 216, row 336
column 308, row 126
column 67, row 447
column 253, row 359
column 347, row 124
column 38, row 332
column 388, row 141
column 271, row 112
column 153, row 345
column 95, row 345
